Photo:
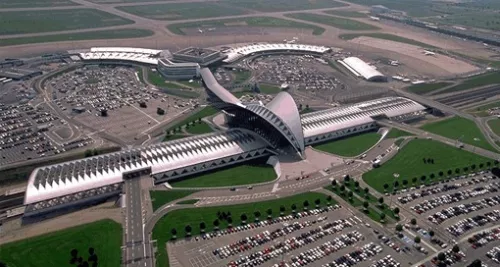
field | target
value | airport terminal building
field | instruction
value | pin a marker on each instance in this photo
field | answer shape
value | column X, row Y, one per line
column 256, row 131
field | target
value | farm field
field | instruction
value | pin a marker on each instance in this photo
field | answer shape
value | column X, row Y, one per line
column 21, row 22
column 385, row 36
column 94, row 35
column 178, row 219
column 283, row 5
column 409, row 164
column 35, row 3
column 248, row 173
column 476, row 81
column 177, row 28
column 345, row 13
column 178, row 11
column 458, row 128
column 421, row 89
column 337, row 22
column 350, row 146
column 54, row 249
column 162, row 197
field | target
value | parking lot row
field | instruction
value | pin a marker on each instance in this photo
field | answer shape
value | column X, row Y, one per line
column 466, row 208
column 454, row 184
column 485, row 237
column 494, row 254
column 468, row 224
column 445, row 199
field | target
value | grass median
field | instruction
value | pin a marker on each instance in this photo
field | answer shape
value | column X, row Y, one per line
column 396, row 133
column 475, row 82
column 421, row 89
column 337, row 22
column 162, row 197
column 385, row 36
column 178, row 219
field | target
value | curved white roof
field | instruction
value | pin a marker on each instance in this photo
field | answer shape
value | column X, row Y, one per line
column 243, row 51
column 76, row 176
column 330, row 120
column 362, row 68
column 140, row 55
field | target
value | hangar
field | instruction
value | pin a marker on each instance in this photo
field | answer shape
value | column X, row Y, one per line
column 361, row 69
column 256, row 130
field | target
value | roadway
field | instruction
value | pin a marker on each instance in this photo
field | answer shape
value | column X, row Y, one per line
column 135, row 248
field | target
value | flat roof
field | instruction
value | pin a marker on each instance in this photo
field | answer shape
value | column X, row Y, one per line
column 18, row 73
column 195, row 52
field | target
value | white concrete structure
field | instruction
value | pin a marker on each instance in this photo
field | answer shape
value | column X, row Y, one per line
column 138, row 55
column 361, row 69
column 342, row 121
column 237, row 53
column 172, row 70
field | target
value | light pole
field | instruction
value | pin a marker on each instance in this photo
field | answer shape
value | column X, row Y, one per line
column 396, row 176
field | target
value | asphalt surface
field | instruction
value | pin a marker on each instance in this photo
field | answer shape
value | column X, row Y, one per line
column 135, row 248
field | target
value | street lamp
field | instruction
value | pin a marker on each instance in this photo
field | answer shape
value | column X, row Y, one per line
column 396, row 176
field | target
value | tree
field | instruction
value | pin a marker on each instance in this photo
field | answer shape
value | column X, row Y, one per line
column 188, row 230
column 216, row 224
column 399, row 227
column 473, row 167
column 229, row 222
column 257, row 215
column 350, row 195
column 488, row 163
column 417, row 239
column 413, row 221
column 481, row 165
column 405, row 183
column 3, row 264
column 243, row 218
column 432, row 176
column 441, row 256
column 386, row 186
column 88, row 153
column 334, row 183
column 455, row 249
column 457, row 170
column 347, row 178
column 449, row 172
column 396, row 211
column 367, row 190
column 306, row 204
column 294, row 208
column 317, row 202
column 382, row 217
column 431, row 233
column 423, row 178
column 441, row 173
column 174, row 233
column 328, row 200
column 356, row 185
column 202, row 227
column 282, row 210
column 466, row 169
column 269, row 213
column 365, row 205
column 396, row 184
column 414, row 180
column 380, row 201
column 74, row 253
column 342, row 190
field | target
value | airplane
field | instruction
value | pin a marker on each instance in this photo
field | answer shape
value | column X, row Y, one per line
column 200, row 30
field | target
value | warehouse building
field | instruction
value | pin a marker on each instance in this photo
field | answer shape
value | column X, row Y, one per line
column 361, row 69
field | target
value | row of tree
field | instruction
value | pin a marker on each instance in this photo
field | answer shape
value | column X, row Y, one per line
column 223, row 216
column 178, row 129
column 423, row 178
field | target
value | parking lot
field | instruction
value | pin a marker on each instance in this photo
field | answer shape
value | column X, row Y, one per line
column 131, row 107
column 323, row 237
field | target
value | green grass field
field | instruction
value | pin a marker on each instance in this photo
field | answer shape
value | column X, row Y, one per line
column 53, row 249
column 495, row 126
column 205, row 112
column 415, row 8
column 178, row 219
column 481, row 110
column 283, row 5
column 169, row 87
column 385, row 36
column 35, row 3
column 484, row 19
column 425, row 88
column 408, row 163
column 395, row 133
column 459, row 128
column 476, row 81
column 346, row 13
column 178, row 11
column 269, row 89
column 57, row 20
column 341, row 23
column 199, row 128
column 177, row 28
column 248, row 173
column 173, row 137
column 94, row 35
column 241, row 76
column 355, row 201
column 350, row 146
column 162, row 197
